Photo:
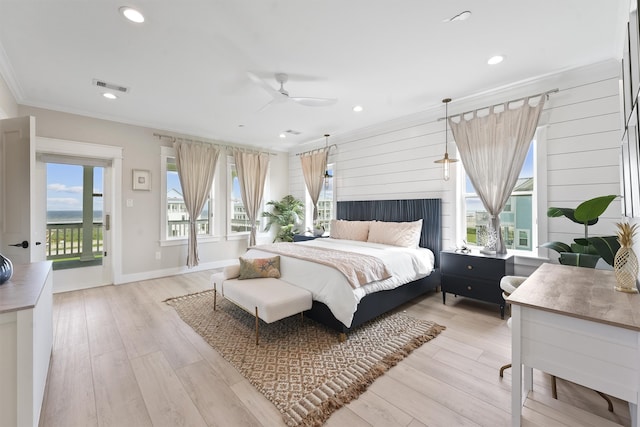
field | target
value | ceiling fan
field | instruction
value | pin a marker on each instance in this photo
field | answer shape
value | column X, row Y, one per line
column 282, row 95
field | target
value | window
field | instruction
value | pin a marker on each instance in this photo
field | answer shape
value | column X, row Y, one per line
column 325, row 204
column 518, row 217
column 239, row 222
column 176, row 218
column 74, row 236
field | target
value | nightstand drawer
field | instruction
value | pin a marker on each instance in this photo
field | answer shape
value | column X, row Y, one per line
column 472, row 288
column 471, row 266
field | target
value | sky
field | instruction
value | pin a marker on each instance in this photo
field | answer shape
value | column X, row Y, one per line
column 64, row 187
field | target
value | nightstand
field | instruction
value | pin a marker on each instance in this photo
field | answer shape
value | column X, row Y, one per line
column 475, row 275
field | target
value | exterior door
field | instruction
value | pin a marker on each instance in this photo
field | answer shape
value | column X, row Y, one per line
column 22, row 225
column 49, row 150
column 78, row 239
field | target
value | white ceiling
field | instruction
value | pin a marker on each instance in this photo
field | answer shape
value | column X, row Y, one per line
column 187, row 64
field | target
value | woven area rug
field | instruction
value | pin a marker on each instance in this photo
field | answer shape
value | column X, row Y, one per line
column 300, row 365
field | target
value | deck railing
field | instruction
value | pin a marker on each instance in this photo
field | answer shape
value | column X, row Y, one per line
column 64, row 240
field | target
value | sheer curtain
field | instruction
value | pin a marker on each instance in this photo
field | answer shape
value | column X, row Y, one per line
column 252, row 174
column 493, row 149
column 196, row 164
column 314, row 165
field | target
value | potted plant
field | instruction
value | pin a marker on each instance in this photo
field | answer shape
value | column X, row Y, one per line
column 286, row 214
column 585, row 252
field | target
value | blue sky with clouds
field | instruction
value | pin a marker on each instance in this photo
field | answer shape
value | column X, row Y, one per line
column 64, row 187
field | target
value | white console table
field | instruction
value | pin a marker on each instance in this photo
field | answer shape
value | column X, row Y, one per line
column 26, row 337
column 571, row 323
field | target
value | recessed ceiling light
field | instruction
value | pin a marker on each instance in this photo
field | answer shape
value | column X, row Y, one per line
column 283, row 136
column 495, row 60
column 132, row 14
column 109, row 95
column 357, row 108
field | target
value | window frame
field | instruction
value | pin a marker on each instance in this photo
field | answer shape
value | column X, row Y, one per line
column 166, row 240
column 538, row 201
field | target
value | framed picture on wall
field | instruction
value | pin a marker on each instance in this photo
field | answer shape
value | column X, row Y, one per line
column 141, row 180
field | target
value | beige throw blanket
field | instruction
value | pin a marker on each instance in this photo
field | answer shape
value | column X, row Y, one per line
column 359, row 269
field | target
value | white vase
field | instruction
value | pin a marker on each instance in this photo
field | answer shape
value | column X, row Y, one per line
column 625, row 267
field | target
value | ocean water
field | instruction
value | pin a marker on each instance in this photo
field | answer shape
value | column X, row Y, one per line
column 70, row 216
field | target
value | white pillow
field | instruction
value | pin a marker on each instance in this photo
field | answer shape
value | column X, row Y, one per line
column 231, row 271
column 405, row 234
column 350, row 230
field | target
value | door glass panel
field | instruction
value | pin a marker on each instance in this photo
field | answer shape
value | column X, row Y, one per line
column 75, row 235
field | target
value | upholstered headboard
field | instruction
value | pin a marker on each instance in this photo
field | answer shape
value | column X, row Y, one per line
column 429, row 210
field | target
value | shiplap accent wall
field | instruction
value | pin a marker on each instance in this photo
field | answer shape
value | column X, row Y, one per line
column 394, row 160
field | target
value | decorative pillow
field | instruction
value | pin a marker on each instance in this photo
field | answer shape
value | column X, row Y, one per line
column 350, row 230
column 405, row 234
column 254, row 268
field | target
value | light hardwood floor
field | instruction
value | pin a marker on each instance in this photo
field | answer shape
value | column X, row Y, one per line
column 122, row 357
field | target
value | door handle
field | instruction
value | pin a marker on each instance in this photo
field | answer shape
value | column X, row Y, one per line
column 107, row 222
column 24, row 244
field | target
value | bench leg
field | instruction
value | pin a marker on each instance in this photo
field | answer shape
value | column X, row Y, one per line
column 257, row 322
column 215, row 294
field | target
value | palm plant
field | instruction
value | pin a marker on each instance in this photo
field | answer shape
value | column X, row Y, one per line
column 585, row 252
column 286, row 214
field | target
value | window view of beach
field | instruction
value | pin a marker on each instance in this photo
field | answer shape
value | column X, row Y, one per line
column 74, row 215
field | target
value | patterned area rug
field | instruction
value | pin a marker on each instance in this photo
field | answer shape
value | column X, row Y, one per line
column 300, row 365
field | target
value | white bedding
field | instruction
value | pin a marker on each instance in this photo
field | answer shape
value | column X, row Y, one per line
column 330, row 286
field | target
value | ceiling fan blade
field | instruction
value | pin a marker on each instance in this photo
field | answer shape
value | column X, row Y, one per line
column 314, row 102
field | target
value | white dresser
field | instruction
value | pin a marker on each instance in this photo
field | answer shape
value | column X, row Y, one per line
column 26, row 337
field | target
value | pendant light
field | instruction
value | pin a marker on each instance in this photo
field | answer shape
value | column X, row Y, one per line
column 446, row 160
column 327, row 175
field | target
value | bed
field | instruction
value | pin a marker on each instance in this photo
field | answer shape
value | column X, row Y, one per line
column 373, row 304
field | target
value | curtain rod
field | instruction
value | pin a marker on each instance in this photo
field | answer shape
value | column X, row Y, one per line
column 318, row 149
column 226, row 147
column 547, row 93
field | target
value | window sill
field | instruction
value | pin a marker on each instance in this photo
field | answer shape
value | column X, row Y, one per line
column 245, row 235
column 184, row 242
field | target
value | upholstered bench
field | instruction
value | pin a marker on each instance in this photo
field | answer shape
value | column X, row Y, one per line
column 269, row 299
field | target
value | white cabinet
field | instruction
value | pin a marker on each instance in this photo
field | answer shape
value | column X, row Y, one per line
column 26, row 337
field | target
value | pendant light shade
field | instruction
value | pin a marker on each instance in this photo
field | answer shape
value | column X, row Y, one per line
column 446, row 161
